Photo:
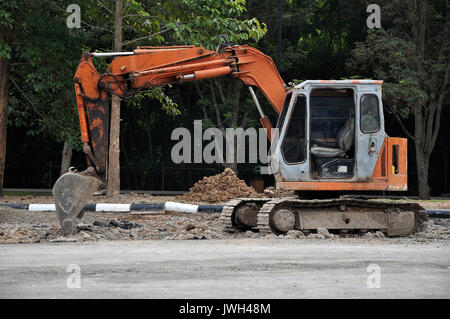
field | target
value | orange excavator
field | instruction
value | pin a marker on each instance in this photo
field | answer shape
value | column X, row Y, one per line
column 330, row 137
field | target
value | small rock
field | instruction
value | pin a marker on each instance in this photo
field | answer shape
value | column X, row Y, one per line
column 430, row 235
column 321, row 236
column 84, row 228
column 99, row 224
column 41, row 226
column 189, row 227
column 249, row 234
column 369, row 235
column 295, row 234
column 113, row 223
column 85, row 236
column 312, row 235
column 196, row 237
column 379, row 234
column 128, row 225
column 420, row 235
column 323, row 231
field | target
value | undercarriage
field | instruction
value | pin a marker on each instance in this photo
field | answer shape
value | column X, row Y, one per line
column 280, row 215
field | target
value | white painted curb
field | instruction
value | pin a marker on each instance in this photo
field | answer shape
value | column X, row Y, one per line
column 112, row 207
column 42, row 207
column 180, row 208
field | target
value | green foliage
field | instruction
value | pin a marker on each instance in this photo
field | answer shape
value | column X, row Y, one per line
column 156, row 93
column 45, row 55
column 412, row 75
column 7, row 8
column 5, row 50
column 200, row 22
column 391, row 59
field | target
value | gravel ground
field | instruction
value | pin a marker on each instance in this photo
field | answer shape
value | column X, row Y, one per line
column 21, row 226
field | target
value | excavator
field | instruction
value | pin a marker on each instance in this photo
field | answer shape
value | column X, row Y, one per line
column 331, row 137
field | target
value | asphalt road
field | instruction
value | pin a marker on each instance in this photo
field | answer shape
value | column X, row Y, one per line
column 224, row 269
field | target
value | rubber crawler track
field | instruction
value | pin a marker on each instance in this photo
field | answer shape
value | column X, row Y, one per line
column 227, row 216
column 263, row 223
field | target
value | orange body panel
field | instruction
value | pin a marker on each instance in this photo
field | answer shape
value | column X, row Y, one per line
column 258, row 69
column 332, row 186
column 390, row 173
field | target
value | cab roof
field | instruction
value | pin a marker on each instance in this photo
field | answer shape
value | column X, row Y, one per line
column 345, row 82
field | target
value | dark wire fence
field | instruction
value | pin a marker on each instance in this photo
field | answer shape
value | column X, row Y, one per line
column 165, row 178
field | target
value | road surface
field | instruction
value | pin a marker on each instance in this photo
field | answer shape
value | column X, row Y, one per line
column 247, row 268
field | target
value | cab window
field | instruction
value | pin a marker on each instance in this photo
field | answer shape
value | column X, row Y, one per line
column 369, row 114
column 294, row 141
column 282, row 116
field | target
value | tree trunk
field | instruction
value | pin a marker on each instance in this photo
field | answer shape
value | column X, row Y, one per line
column 113, row 187
column 66, row 158
column 422, row 172
column 5, row 35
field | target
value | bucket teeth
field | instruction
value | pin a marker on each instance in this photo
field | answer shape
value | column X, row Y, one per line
column 71, row 192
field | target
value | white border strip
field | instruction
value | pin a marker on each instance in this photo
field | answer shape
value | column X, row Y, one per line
column 42, row 207
column 108, row 207
column 181, row 208
column 112, row 207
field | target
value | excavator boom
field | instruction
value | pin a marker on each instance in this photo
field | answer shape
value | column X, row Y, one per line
column 132, row 72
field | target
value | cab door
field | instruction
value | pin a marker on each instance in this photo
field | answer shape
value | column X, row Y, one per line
column 369, row 133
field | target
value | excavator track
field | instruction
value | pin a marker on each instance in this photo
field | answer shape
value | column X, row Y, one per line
column 249, row 207
column 279, row 215
column 264, row 214
column 227, row 216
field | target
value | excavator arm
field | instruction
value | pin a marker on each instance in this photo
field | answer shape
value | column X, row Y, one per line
column 132, row 72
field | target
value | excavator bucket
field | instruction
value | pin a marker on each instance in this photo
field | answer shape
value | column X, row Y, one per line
column 71, row 192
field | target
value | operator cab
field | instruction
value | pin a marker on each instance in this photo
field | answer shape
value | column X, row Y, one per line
column 330, row 131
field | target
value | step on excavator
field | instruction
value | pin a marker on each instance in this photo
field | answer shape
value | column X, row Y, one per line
column 331, row 138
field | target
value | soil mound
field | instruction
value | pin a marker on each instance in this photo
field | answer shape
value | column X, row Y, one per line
column 219, row 188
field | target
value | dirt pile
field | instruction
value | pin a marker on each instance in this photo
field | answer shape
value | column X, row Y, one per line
column 219, row 188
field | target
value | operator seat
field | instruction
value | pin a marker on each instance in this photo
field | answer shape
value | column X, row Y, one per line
column 344, row 141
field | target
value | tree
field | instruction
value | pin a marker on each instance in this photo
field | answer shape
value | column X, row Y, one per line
column 114, row 132
column 191, row 22
column 412, row 55
column 222, row 101
column 6, row 23
column 44, row 53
